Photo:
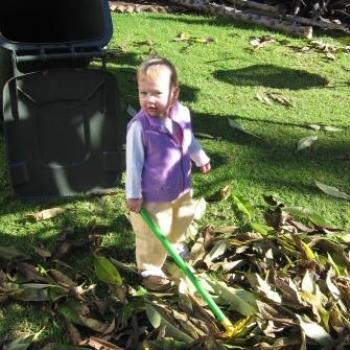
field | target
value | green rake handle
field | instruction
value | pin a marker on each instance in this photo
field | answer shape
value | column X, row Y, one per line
column 184, row 267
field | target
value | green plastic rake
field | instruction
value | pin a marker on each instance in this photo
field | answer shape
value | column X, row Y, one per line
column 220, row 316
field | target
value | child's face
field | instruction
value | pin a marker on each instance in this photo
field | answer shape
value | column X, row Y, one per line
column 155, row 93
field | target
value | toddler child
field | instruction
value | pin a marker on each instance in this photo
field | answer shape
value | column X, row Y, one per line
column 159, row 149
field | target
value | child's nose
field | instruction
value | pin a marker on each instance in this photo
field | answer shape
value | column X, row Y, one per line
column 151, row 98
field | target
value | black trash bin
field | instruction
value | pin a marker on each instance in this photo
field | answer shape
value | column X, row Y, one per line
column 42, row 34
column 62, row 124
column 65, row 27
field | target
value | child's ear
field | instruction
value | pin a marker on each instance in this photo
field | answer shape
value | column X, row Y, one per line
column 175, row 94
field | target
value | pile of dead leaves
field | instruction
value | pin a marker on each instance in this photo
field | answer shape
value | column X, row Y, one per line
column 283, row 283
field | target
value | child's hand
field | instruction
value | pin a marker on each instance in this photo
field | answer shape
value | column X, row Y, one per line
column 134, row 204
column 205, row 168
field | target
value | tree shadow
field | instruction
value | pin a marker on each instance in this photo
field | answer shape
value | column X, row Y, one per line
column 276, row 163
column 207, row 19
column 188, row 93
column 271, row 76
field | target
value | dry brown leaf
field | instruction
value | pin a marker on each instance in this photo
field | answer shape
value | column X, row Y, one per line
column 262, row 97
column 73, row 332
column 31, row 273
column 45, row 214
column 43, row 252
column 263, row 41
column 330, row 56
column 61, row 278
column 99, row 344
column 225, row 192
column 279, row 99
column 182, row 37
column 226, row 229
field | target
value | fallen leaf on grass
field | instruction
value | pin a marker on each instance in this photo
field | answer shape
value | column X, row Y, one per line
column 80, row 314
column 30, row 273
column 99, row 344
column 129, row 268
column 330, row 56
column 221, row 194
column 306, row 142
column 329, row 128
column 266, row 289
column 279, row 99
column 73, row 332
column 164, row 343
column 314, row 331
column 225, row 192
column 34, row 292
column 270, row 97
column 24, row 342
column 182, row 36
column 243, row 205
column 202, row 135
column 45, row 214
column 241, row 326
column 10, row 252
column 60, row 346
column 218, row 250
column 322, row 47
column 238, row 299
column 332, row 128
column 106, row 271
column 315, row 127
column 42, row 251
column 200, row 209
column 147, row 43
column 308, row 215
column 262, row 97
column 332, row 191
column 159, row 319
column 258, row 43
column 261, row 228
column 66, row 244
column 309, row 254
column 206, row 40
column 61, row 279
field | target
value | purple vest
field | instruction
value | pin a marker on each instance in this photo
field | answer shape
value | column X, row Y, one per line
column 167, row 167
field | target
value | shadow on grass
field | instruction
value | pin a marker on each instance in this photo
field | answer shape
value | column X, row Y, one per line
column 274, row 161
column 271, row 76
column 217, row 126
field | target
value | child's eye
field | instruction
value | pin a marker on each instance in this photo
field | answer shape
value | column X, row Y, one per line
column 143, row 93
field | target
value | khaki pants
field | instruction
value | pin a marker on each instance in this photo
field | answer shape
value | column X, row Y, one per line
column 173, row 218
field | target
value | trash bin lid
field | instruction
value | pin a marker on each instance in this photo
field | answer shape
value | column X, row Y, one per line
column 63, row 132
column 60, row 25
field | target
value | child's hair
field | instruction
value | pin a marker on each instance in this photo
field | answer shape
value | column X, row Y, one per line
column 156, row 61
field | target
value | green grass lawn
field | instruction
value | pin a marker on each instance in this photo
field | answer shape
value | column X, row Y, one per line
column 219, row 80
